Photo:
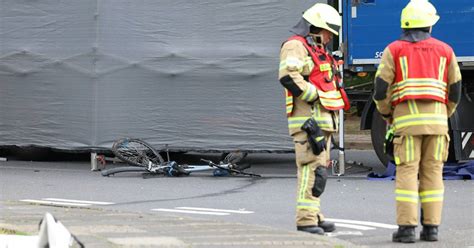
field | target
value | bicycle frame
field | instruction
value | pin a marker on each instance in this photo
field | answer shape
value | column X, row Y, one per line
column 145, row 158
column 161, row 168
column 198, row 168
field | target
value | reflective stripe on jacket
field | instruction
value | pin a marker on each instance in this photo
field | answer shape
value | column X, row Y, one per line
column 323, row 76
column 420, row 70
column 296, row 63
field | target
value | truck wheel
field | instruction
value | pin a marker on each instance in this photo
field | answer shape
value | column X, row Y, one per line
column 377, row 133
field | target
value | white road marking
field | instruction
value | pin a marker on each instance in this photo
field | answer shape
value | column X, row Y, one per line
column 187, row 211
column 340, row 233
column 78, row 201
column 357, row 227
column 365, row 223
column 466, row 139
column 472, row 154
column 56, row 203
column 66, row 202
column 218, row 210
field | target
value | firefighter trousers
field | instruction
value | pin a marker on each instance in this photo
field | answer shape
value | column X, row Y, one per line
column 419, row 178
column 307, row 205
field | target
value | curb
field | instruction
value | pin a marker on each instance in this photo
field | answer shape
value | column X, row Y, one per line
column 113, row 228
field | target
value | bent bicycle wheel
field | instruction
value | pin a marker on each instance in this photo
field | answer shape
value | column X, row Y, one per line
column 136, row 152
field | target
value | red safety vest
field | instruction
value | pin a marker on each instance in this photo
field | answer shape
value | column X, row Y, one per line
column 325, row 78
column 420, row 70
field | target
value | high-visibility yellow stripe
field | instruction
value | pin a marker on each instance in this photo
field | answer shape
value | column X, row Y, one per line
column 413, row 88
column 316, row 110
column 323, row 121
column 438, row 107
column 325, row 67
column 309, row 94
column 412, row 106
column 289, row 103
column 420, row 119
column 331, row 102
column 418, row 86
column 296, row 122
column 406, row 192
column 283, row 66
column 442, row 67
column 433, row 199
column 409, row 146
column 432, row 196
column 419, row 82
column 419, row 91
column 331, row 98
column 302, row 202
column 407, row 149
column 329, row 94
column 303, row 182
column 424, row 115
column 308, row 204
column 404, row 67
column 406, row 195
column 432, row 192
column 397, row 160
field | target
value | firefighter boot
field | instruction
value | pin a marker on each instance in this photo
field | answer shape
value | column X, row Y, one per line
column 429, row 233
column 311, row 229
column 405, row 234
column 327, row 226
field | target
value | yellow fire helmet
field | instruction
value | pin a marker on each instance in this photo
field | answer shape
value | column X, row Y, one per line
column 323, row 16
column 418, row 14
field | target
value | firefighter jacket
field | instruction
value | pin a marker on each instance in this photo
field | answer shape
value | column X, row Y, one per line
column 418, row 84
column 303, row 98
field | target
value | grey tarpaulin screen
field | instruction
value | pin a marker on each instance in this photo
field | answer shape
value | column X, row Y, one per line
column 192, row 74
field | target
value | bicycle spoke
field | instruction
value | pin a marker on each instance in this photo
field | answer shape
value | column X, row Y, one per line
column 136, row 152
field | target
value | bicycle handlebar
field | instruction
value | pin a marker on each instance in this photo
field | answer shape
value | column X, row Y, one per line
column 238, row 170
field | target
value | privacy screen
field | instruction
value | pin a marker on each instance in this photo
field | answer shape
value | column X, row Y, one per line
column 196, row 75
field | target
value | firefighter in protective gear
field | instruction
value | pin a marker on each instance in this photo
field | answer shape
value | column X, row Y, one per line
column 417, row 87
column 312, row 89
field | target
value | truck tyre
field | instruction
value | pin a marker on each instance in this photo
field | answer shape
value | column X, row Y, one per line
column 377, row 133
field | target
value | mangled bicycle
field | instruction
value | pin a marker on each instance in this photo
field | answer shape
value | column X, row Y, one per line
column 142, row 157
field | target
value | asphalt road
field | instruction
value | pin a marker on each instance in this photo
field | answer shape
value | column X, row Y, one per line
column 363, row 210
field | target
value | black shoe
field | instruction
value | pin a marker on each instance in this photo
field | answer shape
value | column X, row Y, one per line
column 327, row 226
column 405, row 234
column 429, row 233
column 311, row 229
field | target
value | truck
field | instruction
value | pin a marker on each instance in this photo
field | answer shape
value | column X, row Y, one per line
column 370, row 25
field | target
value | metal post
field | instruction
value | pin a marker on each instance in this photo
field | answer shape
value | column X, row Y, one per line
column 94, row 161
column 342, row 158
